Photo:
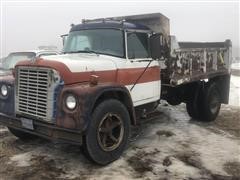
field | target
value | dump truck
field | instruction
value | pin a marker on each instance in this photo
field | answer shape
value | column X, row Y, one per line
column 111, row 74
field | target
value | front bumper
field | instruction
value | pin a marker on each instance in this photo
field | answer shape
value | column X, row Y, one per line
column 45, row 130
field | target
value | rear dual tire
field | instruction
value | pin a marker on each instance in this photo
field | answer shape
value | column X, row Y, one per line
column 205, row 103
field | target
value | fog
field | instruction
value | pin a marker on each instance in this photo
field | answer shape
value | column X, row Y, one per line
column 27, row 25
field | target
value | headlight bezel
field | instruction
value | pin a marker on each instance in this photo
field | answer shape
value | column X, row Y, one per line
column 70, row 98
column 6, row 89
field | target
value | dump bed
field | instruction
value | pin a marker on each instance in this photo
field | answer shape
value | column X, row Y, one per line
column 193, row 61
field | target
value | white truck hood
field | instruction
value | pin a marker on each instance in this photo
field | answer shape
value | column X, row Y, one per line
column 83, row 62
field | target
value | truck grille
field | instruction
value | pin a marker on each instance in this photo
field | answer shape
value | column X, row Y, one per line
column 34, row 94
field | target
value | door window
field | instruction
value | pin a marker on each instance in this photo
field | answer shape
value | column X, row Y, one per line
column 137, row 45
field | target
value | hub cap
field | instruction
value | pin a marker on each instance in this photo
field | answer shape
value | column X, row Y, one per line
column 110, row 132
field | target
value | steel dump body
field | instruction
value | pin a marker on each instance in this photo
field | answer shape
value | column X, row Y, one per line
column 194, row 61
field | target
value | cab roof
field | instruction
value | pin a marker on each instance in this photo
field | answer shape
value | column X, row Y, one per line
column 109, row 25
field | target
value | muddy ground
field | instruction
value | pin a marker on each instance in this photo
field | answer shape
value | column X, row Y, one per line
column 172, row 146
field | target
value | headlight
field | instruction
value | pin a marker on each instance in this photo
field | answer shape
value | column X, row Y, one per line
column 71, row 102
column 4, row 90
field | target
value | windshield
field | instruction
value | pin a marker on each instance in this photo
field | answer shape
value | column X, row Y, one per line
column 12, row 59
column 100, row 41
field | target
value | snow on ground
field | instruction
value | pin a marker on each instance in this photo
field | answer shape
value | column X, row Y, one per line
column 234, row 98
column 171, row 146
column 235, row 66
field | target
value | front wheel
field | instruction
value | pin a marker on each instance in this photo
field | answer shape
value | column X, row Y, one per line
column 107, row 136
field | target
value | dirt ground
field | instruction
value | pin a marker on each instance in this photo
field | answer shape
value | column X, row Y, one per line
column 172, row 146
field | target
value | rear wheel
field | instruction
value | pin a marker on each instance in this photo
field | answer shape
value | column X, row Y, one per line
column 107, row 136
column 205, row 104
column 193, row 104
column 211, row 103
column 21, row 135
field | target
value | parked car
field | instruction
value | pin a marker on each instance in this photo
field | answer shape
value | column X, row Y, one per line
column 113, row 73
column 13, row 58
column 1, row 60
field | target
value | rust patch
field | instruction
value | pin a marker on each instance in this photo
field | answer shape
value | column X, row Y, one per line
column 86, row 95
column 191, row 64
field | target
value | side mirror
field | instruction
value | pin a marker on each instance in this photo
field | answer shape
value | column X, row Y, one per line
column 158, row 46
column 64, row 38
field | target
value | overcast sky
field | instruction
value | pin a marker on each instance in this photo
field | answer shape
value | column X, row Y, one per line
column 27, row 25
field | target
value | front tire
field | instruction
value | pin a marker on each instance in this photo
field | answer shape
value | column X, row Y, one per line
column 107, row 136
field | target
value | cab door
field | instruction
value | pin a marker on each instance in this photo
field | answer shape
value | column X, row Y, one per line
column 143, row 72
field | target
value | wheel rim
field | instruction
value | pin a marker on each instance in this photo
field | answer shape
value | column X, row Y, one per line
column 214, row 103
column 110, row 132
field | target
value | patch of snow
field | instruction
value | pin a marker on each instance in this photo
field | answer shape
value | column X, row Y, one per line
column 236, row 66
column 180, row 169
column 234, row 96
column 208, row 149
column 22, row 160
column 213, row 151
column 2, row 130
column 235, row 80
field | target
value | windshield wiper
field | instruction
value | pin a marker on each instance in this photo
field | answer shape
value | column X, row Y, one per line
column 82, row 51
